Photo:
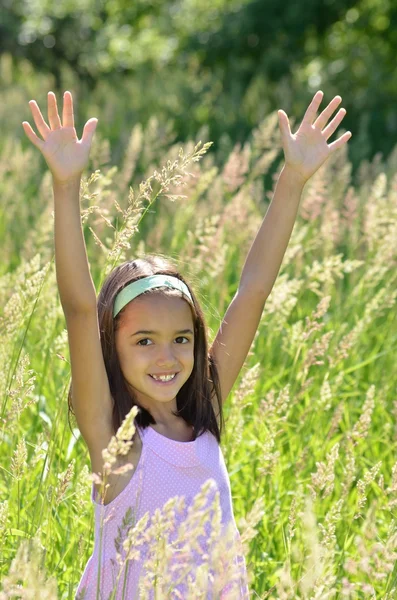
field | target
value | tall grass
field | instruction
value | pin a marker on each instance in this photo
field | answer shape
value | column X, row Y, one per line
column 311, row 433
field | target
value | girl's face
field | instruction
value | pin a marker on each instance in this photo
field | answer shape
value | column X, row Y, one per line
column 167, row 349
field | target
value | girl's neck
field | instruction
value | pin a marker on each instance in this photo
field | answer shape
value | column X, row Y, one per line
column 179, row 430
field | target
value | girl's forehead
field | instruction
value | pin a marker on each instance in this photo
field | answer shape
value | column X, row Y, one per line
column 156, row 308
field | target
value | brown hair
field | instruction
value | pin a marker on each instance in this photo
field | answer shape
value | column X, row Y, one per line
column 195, row 398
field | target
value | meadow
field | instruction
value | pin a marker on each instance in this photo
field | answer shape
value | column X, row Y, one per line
column 311, row 436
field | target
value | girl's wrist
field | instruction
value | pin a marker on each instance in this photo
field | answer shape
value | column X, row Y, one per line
column 295, row 175
column 66, row 184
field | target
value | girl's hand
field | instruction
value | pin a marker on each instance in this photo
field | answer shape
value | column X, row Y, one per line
column 307, row 149
column 65, row 154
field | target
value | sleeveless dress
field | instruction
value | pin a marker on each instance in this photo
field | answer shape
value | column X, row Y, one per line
column 168, row 469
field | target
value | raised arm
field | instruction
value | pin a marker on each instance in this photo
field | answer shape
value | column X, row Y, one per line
column 304, row 153
column 67, row 156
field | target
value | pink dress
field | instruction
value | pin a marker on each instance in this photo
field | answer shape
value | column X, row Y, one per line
column 166, row 469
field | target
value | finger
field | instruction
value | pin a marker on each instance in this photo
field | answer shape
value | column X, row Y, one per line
column 52, row 108
column 36, row 141
column 340, row 142
column 311, row 111
column 41, row 125
column 322, row 119
column 332, row 126
column 284, row 126
column 67, row 112
column 89, row 130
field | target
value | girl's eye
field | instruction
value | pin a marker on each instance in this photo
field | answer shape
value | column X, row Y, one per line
column 147, row 340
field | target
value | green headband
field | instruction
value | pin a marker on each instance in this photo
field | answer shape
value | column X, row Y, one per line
column 136, row 288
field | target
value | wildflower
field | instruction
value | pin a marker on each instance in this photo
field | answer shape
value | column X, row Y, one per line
column 361, row 428
column 325, row 476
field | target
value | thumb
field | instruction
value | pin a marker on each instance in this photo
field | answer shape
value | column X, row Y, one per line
column 284, row 125
column 89, row 130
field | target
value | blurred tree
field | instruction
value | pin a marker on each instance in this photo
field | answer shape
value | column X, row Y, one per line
column 224, row 64
column 94, row 37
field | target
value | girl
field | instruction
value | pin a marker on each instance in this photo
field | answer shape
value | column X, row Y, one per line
column 143, row 343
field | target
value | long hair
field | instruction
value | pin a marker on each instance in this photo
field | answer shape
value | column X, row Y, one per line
column 195, row 400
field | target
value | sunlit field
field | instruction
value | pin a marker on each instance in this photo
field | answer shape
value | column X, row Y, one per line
column 311, row 437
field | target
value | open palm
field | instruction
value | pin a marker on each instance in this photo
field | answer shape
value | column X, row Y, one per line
column 65, row 154
column 307, row 149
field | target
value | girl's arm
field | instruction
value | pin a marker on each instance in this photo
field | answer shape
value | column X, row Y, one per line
column 268, row 248
column 76, row 289
column 67, row 157
column 304, row 152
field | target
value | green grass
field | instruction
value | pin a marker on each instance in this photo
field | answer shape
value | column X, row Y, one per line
column 314, row 409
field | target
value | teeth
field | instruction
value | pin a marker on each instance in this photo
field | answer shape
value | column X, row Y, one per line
column 164, row 377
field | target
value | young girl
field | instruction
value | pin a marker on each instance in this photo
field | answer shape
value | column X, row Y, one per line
column 143, row 343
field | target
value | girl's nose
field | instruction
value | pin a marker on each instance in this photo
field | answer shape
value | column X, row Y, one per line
column 166, row 356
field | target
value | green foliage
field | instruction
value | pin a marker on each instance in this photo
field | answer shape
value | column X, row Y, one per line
column 310, row 440
column 221, row 64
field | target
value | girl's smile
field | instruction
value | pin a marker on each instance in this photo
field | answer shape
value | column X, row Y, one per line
column 163, row 381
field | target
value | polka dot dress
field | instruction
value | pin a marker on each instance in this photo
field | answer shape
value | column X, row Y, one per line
column 189, row 556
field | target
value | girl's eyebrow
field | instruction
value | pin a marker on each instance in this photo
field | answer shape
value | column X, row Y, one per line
column 149, row 332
